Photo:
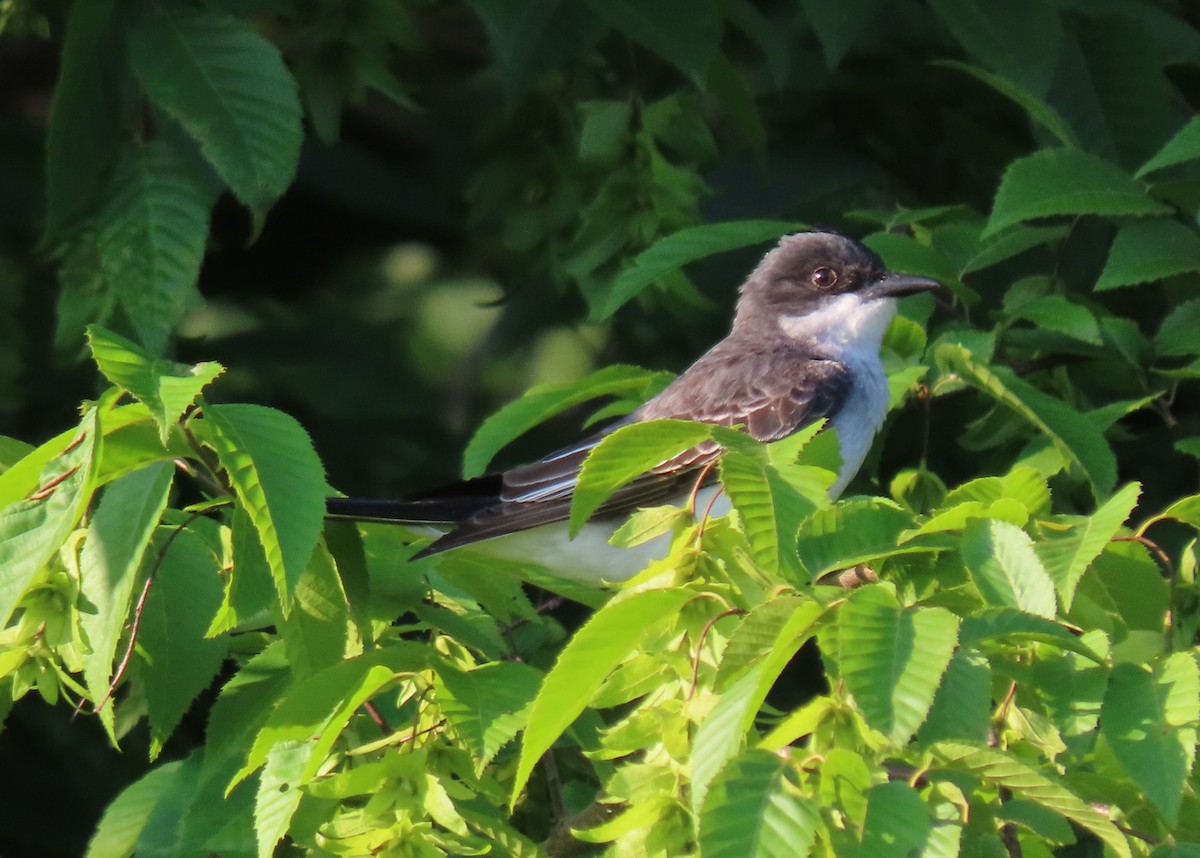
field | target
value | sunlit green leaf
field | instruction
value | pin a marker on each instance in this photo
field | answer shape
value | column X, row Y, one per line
column 962, row 706
column 893, row 658
column 850, row 532
column 1067, row 555
column 1184, row 146
column 897, row 822
column 279, row 794
column 317, row 630
column 117, row 834
column 486, row 707
column 752, row 808
column 1005, row 568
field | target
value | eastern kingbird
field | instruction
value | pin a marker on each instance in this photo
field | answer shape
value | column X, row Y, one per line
column 804, row 346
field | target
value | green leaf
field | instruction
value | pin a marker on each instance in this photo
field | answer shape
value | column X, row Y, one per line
column 606, row 131
column 627, row 453
column 229, row 88
column 850, row 532
column 279, row 794
column 1147, row 250
column 117, row 834
column 897, row 823
column 685, row 33
column 671, row 253
column 1008, row 624
column 532, row 38
column 1186, row 510
column 167, row 388
column 278, row 479
column 753, row 808
column 118, row 535
column 89, row 117
column 1057, row 313
column 33, row 530
column 1019, row 40
column 544, row 401
column 1177, row 335
column 838, row 25
column 1002, row 770
column 611, row 634
column 1066, row 182
column 1184, row 146
column 487, row 706
column 316, row 709
column 770, row 509
column 1009, row 242
column 755, row 636
column 1068, row 555
column 317, row 630
column 1037, row 109
column 893, row 658
column 723, row 732
column 962, row 706
column 1149, row 720
column 151, row 236
column 1074, row 436
column 178, row 660
column 1005, row 567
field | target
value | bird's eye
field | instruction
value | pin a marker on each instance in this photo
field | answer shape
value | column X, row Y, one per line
column 824, row 278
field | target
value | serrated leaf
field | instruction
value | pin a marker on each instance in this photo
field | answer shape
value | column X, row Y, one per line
column 770, row 510
column 755, row 636
column 1036, row 108
column 278, row 479
column 1184, row 146
column 33, row 530
column 1057, row 313
column 544, row 401
column 1179, row 333
column 317, row 630
column 685, row 33
column 487, row 706
column 165, row 387
column 178, row 660
column 850, row 532
column 151, row 235
column 1149, row 249
column 1011, row 623
column 897, row 822
column 279, row 794
column 1067, row 556
column 1026, row 782
column 626, row 454
column 1186, row 510
column 1066, row 182
column 1020, row 40
column 1149, row 720
column 962, row 706
column 753, row 808
column 671, row 253
column 1009, row 242
column 229, row 88
column 838, row 24
column 315, row 710
column 1005, row 568
column 1072, row 435
column 118, row 535
column 892, row 658
column 722, row 733
column 600, row 645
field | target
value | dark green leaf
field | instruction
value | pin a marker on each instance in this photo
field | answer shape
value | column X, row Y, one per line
column 89, row 117
column 1037, row 109
column 838, row 25
column 1148, row 250
column 1008, row 624
column 962, row 706
column 1019, row 40
column 1057, row 313
column 897, row 823
column 229, row 88
column 179, row 661
column 530, row 39
column 671, row 253
column 278, row 479
column 752, row 808
column 606, row 132
column 1179, row 333
column 893, row 658
column 1184, row 146
column 685, row 33
column 1066, row 182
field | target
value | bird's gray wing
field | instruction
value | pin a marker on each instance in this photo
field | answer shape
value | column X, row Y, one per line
column 772, row 392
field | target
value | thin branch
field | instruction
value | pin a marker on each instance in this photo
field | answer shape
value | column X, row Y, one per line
column 700, row 645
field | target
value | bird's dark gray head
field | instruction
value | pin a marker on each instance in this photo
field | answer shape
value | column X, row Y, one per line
column 809, row 271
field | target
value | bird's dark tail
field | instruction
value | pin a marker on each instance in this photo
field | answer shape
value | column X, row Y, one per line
column 446, row 511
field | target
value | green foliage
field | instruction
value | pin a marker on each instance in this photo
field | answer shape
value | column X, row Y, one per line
column 1016, row 671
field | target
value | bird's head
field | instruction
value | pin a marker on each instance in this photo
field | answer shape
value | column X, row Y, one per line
column 825, row 288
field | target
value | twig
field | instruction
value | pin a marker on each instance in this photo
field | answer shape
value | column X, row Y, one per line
column 700, row 645
column 377, row 717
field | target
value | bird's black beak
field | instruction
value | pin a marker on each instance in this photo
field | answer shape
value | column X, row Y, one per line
column 893, row 285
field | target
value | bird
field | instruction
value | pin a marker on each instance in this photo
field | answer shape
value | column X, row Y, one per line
column 804, row 346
